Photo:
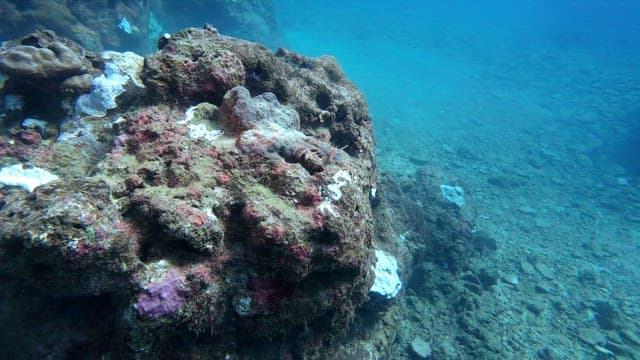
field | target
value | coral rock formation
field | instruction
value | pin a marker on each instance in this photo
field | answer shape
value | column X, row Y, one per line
column 226, row 205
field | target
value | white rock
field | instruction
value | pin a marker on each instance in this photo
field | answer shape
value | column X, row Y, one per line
column 511, row 279
column 105, row 89
column 386, row 283
column 28, row 178
column 454, row 194
column 120, row 68
column 128, row 63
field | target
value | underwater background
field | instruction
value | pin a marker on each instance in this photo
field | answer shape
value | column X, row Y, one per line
column 532, row 108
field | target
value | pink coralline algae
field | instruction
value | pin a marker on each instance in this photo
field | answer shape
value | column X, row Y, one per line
column 163, row 297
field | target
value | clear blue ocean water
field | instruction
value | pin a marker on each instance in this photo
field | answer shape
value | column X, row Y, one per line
column 430, row 67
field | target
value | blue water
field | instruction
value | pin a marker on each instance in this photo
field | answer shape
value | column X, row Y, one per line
column 434, row 67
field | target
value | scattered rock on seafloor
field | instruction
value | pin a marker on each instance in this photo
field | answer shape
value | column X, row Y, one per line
column 527, row 210
column 592, row 336
column 544, row 270
column 549, row 353
column 511, row 278
column 419, row 159
column 536, row 305
column 420, row 348
column 543, row 223
column 630, row 336
column 608, row 315
column 504, row 182
column 468, row 154
column 527, row 268
column 622, row 350
column 542, row 288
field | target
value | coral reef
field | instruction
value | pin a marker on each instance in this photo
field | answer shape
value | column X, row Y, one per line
column 43, row 69
column 220, row 208
column 42, row 56
column 69, row 240
column 200, row 66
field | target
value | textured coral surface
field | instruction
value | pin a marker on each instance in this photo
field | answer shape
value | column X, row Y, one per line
column 226, row 205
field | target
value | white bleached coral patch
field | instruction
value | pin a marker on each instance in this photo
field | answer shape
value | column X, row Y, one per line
column 340, row 179
column 199, row 131
column 128, row 63
column 387, row 283
column 26, row 177
column 454, row 194
column 120, row 68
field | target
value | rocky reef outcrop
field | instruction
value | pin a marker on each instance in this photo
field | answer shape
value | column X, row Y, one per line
column 222, row 207
column 134, row 24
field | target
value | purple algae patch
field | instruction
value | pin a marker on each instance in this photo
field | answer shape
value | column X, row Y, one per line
column 162, row 297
